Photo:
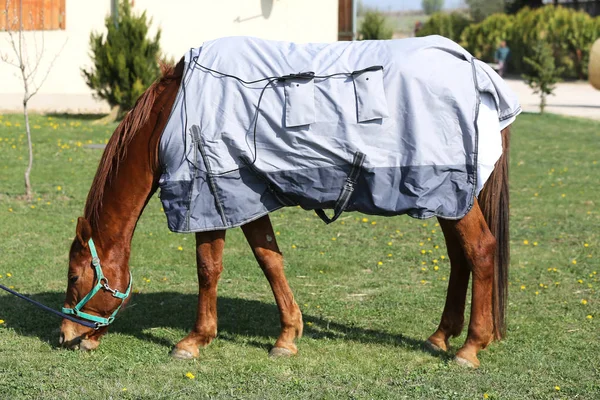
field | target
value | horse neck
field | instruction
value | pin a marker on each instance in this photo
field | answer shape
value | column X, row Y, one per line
column 134, row 179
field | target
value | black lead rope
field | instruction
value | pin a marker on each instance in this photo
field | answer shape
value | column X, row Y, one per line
column 53, row 311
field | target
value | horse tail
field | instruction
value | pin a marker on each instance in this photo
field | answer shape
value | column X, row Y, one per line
column 493, row 201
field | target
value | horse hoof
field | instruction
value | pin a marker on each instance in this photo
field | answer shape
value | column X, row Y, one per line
column 463, row 362
column 180, row 354
column 280, row 352
column 433, row 347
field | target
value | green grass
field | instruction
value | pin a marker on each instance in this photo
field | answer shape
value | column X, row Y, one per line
column 364, row 322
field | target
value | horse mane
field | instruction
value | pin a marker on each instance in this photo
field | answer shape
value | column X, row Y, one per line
column 116, row 148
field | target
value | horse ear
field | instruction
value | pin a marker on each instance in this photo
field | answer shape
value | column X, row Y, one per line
column 83, row 231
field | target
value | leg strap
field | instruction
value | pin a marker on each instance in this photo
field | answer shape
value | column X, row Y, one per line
column 344, row 199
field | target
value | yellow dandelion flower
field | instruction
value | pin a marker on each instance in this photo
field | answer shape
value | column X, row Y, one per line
column 436, row 268
column 334, row 238
column 397, row 231
column 379, row 262
column 557, row 388
column 535, row 194
column 124, row 389
column 486, row 396
column 589, row 316
column 8, row 274
column 59, row 188
column 563, row 195
column 32, row 206
column 535, row 243
column 180, row 248
column 423, row 269
column 365, row 220
column 541, row 285
column 309, row 323
column 423, row 251
column 536, row 292
column 421, row 244
column 293, row 246
column 10, row 210
column 579, row 280
column 525, row 242
column 522, row 287
column 557, row 283
column 443, row 257
column 423, row 281
column 435, row 261
column 189, row 375
column 583, row 301
column 389, row 243
column 321, row 272
column 374, row 223
column 585, row 245
column 574, row 261
column 436, row 247
column 390, row 254
column 1, row 321
column 278, row 233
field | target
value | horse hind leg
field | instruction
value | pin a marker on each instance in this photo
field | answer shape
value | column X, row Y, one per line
column 209, row 260
column 261, row 238
column 479, row 247
column 452, row 322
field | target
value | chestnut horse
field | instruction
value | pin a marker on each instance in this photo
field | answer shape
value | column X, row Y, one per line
column 128, row 176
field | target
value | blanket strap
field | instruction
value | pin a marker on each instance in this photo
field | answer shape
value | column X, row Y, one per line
column 280, row 197
column 344, row 199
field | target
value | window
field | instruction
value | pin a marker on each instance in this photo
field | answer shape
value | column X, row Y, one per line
column 38, row 15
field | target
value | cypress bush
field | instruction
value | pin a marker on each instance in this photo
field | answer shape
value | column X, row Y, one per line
column 125, row 61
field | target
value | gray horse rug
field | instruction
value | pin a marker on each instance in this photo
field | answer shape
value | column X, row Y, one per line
column 394, row 127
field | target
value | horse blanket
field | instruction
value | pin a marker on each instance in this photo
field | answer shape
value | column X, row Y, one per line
column 407, row 126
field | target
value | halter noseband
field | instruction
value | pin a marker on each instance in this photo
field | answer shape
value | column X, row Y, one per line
column 101, row 283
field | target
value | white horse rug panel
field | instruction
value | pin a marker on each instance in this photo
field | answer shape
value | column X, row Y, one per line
column 407, row 126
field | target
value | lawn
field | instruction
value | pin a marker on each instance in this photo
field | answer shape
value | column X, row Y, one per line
column 369, row 296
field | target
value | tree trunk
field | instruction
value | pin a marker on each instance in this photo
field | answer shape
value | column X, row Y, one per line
column 28, row 192
column 111, row 117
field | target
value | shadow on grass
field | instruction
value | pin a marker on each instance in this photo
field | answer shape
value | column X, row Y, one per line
column 237, row 317
column 85, row 117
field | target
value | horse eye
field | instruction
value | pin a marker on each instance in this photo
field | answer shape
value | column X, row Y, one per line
column 73, row 279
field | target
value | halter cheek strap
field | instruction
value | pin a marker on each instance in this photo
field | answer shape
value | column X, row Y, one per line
column 101, row 283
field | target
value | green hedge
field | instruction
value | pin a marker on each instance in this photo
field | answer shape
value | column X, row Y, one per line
column 448, row 25
column 570, row 32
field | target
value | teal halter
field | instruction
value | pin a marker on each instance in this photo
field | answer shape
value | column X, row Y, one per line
column 101, row 283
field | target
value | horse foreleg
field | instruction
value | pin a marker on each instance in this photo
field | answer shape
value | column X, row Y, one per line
column 479, row 246
column 209, row 260
column 261, row 238
column 453, row 317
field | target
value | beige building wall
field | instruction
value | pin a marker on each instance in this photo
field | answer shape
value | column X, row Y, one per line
column 184, row 24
